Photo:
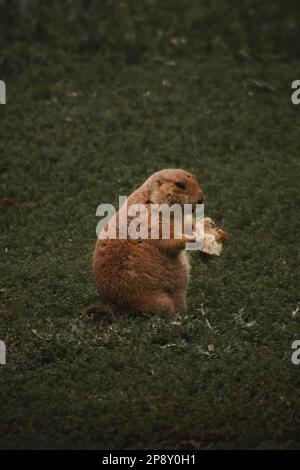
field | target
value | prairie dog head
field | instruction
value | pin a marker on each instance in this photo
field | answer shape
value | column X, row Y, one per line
column 174, row 187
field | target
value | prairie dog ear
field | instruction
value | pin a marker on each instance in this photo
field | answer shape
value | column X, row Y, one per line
column 159, row 181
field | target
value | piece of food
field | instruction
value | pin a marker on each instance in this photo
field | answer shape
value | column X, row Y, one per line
column 214, row 238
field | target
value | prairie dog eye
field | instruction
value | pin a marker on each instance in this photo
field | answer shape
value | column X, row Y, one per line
column 180, row 185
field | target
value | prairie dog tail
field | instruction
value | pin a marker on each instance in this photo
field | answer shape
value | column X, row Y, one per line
column 98, row 309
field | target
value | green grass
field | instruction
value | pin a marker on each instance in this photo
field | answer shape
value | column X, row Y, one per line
column 87, row 119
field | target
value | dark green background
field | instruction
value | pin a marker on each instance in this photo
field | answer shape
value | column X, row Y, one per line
column 89, row 117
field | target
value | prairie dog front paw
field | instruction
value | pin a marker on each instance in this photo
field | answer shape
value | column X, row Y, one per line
column 189, row 238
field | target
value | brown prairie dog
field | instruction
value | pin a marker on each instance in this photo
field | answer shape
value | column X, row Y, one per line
column 147, row 275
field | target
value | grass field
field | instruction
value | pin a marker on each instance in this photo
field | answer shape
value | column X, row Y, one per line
column 98, row 98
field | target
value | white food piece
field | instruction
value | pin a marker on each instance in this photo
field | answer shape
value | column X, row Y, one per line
column 212, row 243
column 211, row 246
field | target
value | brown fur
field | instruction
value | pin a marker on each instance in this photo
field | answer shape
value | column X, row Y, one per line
column 147, row 275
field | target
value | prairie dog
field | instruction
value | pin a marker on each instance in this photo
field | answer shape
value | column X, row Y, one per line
column 147, row 275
